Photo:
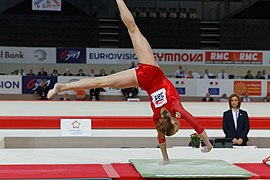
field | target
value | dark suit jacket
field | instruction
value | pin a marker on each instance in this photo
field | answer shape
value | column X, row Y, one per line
column 242, row 125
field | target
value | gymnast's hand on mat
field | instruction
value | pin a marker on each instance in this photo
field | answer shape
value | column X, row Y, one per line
column 206, row 149
column 165, row 162
column 56, row 89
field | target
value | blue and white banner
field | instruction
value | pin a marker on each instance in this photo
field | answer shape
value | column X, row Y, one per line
column 181, row 56
column 31, row 83
column 10, row 84
column 13, row 84
column 162, row 56
column 71, row 55
column 27, row 55
column 42, row 55
column 46, row 5
column 110, row 56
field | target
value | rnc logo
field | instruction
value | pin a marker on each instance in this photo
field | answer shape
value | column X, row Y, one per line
column 159, row 97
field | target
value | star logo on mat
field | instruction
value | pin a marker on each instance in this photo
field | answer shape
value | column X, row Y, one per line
column 76, row 125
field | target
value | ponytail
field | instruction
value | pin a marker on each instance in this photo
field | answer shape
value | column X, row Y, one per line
column 164, row 125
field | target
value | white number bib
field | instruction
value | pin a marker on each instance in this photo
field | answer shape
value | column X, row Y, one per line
column 159, row 97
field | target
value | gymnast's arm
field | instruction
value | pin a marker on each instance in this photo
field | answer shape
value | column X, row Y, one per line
column 162, row 143
column 165, row 156
column 195, row 124
column 163, row 148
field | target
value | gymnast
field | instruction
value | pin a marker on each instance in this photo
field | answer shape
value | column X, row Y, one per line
column 165, row 100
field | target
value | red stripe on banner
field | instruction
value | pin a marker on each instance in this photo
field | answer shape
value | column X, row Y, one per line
column 115, row 122
column 52, row 171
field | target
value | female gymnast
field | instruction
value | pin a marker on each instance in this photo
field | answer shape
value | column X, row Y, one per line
column 165, row 100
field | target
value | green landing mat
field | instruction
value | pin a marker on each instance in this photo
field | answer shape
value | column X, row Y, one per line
column 188, row 168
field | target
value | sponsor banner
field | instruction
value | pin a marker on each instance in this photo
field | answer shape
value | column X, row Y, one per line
column 27, row 55
column 231, row 57
column 110, row 56
column 185, row 87
column 188, row 57
column 126, row 56
column 10, row 85
column 46, row 5
column 41, row 55
column 30, row 83
column 253, row 88
column 71, row 55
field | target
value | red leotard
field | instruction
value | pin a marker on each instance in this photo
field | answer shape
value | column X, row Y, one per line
column 162, row 93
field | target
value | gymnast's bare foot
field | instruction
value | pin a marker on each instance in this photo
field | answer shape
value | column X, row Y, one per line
column 56, row 89
column 165, row 162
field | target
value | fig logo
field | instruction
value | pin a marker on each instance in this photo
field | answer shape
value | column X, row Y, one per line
column 70, row 55
column 34, row 83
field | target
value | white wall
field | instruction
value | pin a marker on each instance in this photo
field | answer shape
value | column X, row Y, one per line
column 94, row 108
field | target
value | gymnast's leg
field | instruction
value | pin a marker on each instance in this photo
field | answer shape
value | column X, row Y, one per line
column 141, row 46
column 121, row 79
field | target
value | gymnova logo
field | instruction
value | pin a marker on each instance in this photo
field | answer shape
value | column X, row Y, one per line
column 40, row 55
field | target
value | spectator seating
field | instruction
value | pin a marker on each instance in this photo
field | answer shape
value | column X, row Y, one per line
column 165, row 33
column 48, row 31
column 245, row 34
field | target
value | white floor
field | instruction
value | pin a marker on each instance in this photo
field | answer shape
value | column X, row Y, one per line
column 119, row 155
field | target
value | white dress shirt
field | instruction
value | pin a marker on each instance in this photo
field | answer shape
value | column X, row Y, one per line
column 223, row 76
column 235, row 117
